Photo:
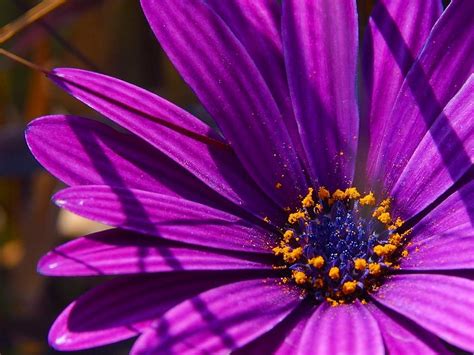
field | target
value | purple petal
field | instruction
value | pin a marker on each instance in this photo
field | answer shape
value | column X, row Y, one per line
column 164, row 216
column 229, row 85
column 448, row 227
column 115, row 251
column 320, row 42
column 442, row 157
column 81, row 151
column 123, row 308
column 345, row 329
column 159, row 122
column 441, row 304
column 256, row 24
column 220, row 320
column 404, row 337
column 435, row 77
column 393, row 38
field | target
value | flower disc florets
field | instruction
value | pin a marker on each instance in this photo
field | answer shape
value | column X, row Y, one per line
column 338, row 246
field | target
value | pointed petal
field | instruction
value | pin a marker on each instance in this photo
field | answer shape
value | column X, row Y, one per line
column 443, row 156
column 123, row 308
column 345, row 329
column 229, row 85
column 115, row 252
column 320, row 43
column 435, row 77
column 219, row 320
column 441, row 304
column 161, row 124
column 404, row 337
column 164, row 216
column 393, row 38
column 80, row 151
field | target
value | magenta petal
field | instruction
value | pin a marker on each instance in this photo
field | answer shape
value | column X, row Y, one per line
column 117, row 251
column 219, row 320
column 448, row 227
column 346, row 329
column 441, row 304
column 435, row 77
column 80, row 151
column 164, row 216
column 403, row 337
column 394, row 36
column 229, row 85
column 443, row 156
column 124, row 308
column 320, row 42
column 141, row 112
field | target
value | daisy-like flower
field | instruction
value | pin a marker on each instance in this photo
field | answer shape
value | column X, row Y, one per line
column 331, row 214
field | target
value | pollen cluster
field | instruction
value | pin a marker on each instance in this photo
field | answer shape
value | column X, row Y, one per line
column 338, row 246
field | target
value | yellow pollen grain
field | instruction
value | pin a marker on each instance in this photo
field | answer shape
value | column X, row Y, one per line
column 267, row 219
column 374, row 269
column 293, row 255
column 360, row 264
column 384, row 218
column 339, row 195
column 378, row 249
column 278, row 185
column 334, row 273
column 293, row 217
column 323, row 193
column 389, row 249
column 349, row 287
column 395, row 239
column 352, row 193
column 288, row 235
column 405, row 253
column 300, row 277
column 308, row 200
column 317, row 262
column 368, row 200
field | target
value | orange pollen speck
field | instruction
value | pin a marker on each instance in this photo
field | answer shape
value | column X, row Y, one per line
column 300, row 277
column 334, row 273
column 374, row 269
column 349, row 287
column 323, row 193
column 360, row 264
column 293, row 217
column 278, row 185
column 317, row 262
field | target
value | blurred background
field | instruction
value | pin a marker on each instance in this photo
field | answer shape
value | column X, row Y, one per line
column 109, row 36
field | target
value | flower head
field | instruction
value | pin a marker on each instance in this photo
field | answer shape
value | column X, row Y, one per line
column 323, row 220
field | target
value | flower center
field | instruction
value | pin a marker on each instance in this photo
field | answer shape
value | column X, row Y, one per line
column 339, row 247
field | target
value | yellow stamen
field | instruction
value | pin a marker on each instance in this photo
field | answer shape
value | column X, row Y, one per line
column 308, row 200
column 288, row 235
column 352, row 193
column 323, row 193
column 300, row 277
column 385, row 218
column 368, row 200
column 334, row 273
column 360, row 264
column 349, row 287
column 374, row 269
column 293, row 217
column 293, row 255
column 317, row 262
column 338, row 195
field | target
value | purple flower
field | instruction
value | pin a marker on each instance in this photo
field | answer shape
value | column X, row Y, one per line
column 256, row 240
